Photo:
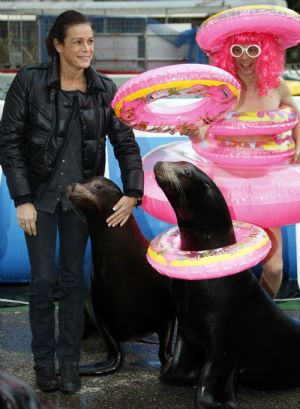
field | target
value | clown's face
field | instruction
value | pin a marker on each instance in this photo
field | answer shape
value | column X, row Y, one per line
column 245, row 56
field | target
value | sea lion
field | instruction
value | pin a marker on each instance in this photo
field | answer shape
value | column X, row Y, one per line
column 229, row 329
column 128, row 298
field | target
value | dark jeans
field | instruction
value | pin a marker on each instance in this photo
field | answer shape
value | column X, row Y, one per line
column 44, row 281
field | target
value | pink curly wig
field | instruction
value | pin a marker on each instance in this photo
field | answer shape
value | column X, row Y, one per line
column 270, row 63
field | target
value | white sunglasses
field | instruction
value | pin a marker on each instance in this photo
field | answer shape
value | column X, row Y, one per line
column 237, row 50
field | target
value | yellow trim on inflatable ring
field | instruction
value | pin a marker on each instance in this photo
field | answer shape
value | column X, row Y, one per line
column 182, row 84
column 284, row 10
column 156, row 256
column 273, row 146
column 219, row 258
column 252, row 117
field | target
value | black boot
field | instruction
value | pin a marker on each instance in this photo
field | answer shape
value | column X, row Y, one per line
column 69, row 381
column 46, row 379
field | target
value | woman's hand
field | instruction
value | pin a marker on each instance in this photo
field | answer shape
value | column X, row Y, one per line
column 26, row 215
column 122, row 211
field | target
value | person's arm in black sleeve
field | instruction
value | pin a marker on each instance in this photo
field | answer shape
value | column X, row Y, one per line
column 12, row 139
column 127, row 152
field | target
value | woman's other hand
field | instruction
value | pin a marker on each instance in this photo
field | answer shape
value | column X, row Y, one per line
column 27, row 215
column 122, row 211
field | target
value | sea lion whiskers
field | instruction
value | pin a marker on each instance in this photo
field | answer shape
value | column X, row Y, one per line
column 78, row 195
column 87, row 195
column 167, row 173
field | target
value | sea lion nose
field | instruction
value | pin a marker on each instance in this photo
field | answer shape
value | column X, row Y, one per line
column 158, row 165
column 161, row 165
column 75, row 187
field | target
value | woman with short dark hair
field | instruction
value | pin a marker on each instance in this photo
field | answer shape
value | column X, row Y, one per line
column 53, row 132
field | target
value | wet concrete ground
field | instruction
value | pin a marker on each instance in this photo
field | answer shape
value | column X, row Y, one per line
column 135, row 386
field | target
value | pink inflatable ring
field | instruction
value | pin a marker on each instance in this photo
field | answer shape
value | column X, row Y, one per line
column 267, row 196
column 266, row 151
column 228, row 140
column 135, row 102
column 279, row 21
column 256, row 123
column 253, row 244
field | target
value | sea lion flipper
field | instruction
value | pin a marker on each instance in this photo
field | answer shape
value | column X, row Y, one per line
column 165, row 336
column 102, row 368
column 114, row 353
column 216, row 384
column 182, row 368
column 114, row 359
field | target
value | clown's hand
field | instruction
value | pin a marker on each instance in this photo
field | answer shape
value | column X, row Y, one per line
column 195, row 133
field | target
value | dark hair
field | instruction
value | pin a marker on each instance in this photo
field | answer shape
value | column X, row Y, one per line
column 60, row 26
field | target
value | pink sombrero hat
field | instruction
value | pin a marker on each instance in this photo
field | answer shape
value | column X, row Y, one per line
column 279, row 21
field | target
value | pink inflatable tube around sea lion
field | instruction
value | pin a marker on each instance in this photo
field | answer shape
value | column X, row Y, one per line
column 136, row 102
column 165, row 256
column 267, row 196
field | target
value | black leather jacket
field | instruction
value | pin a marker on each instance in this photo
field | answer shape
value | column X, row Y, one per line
column 30, row 143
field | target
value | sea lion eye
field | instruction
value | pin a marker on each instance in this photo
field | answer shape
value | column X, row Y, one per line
column 188, row 172
column 97, row 186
